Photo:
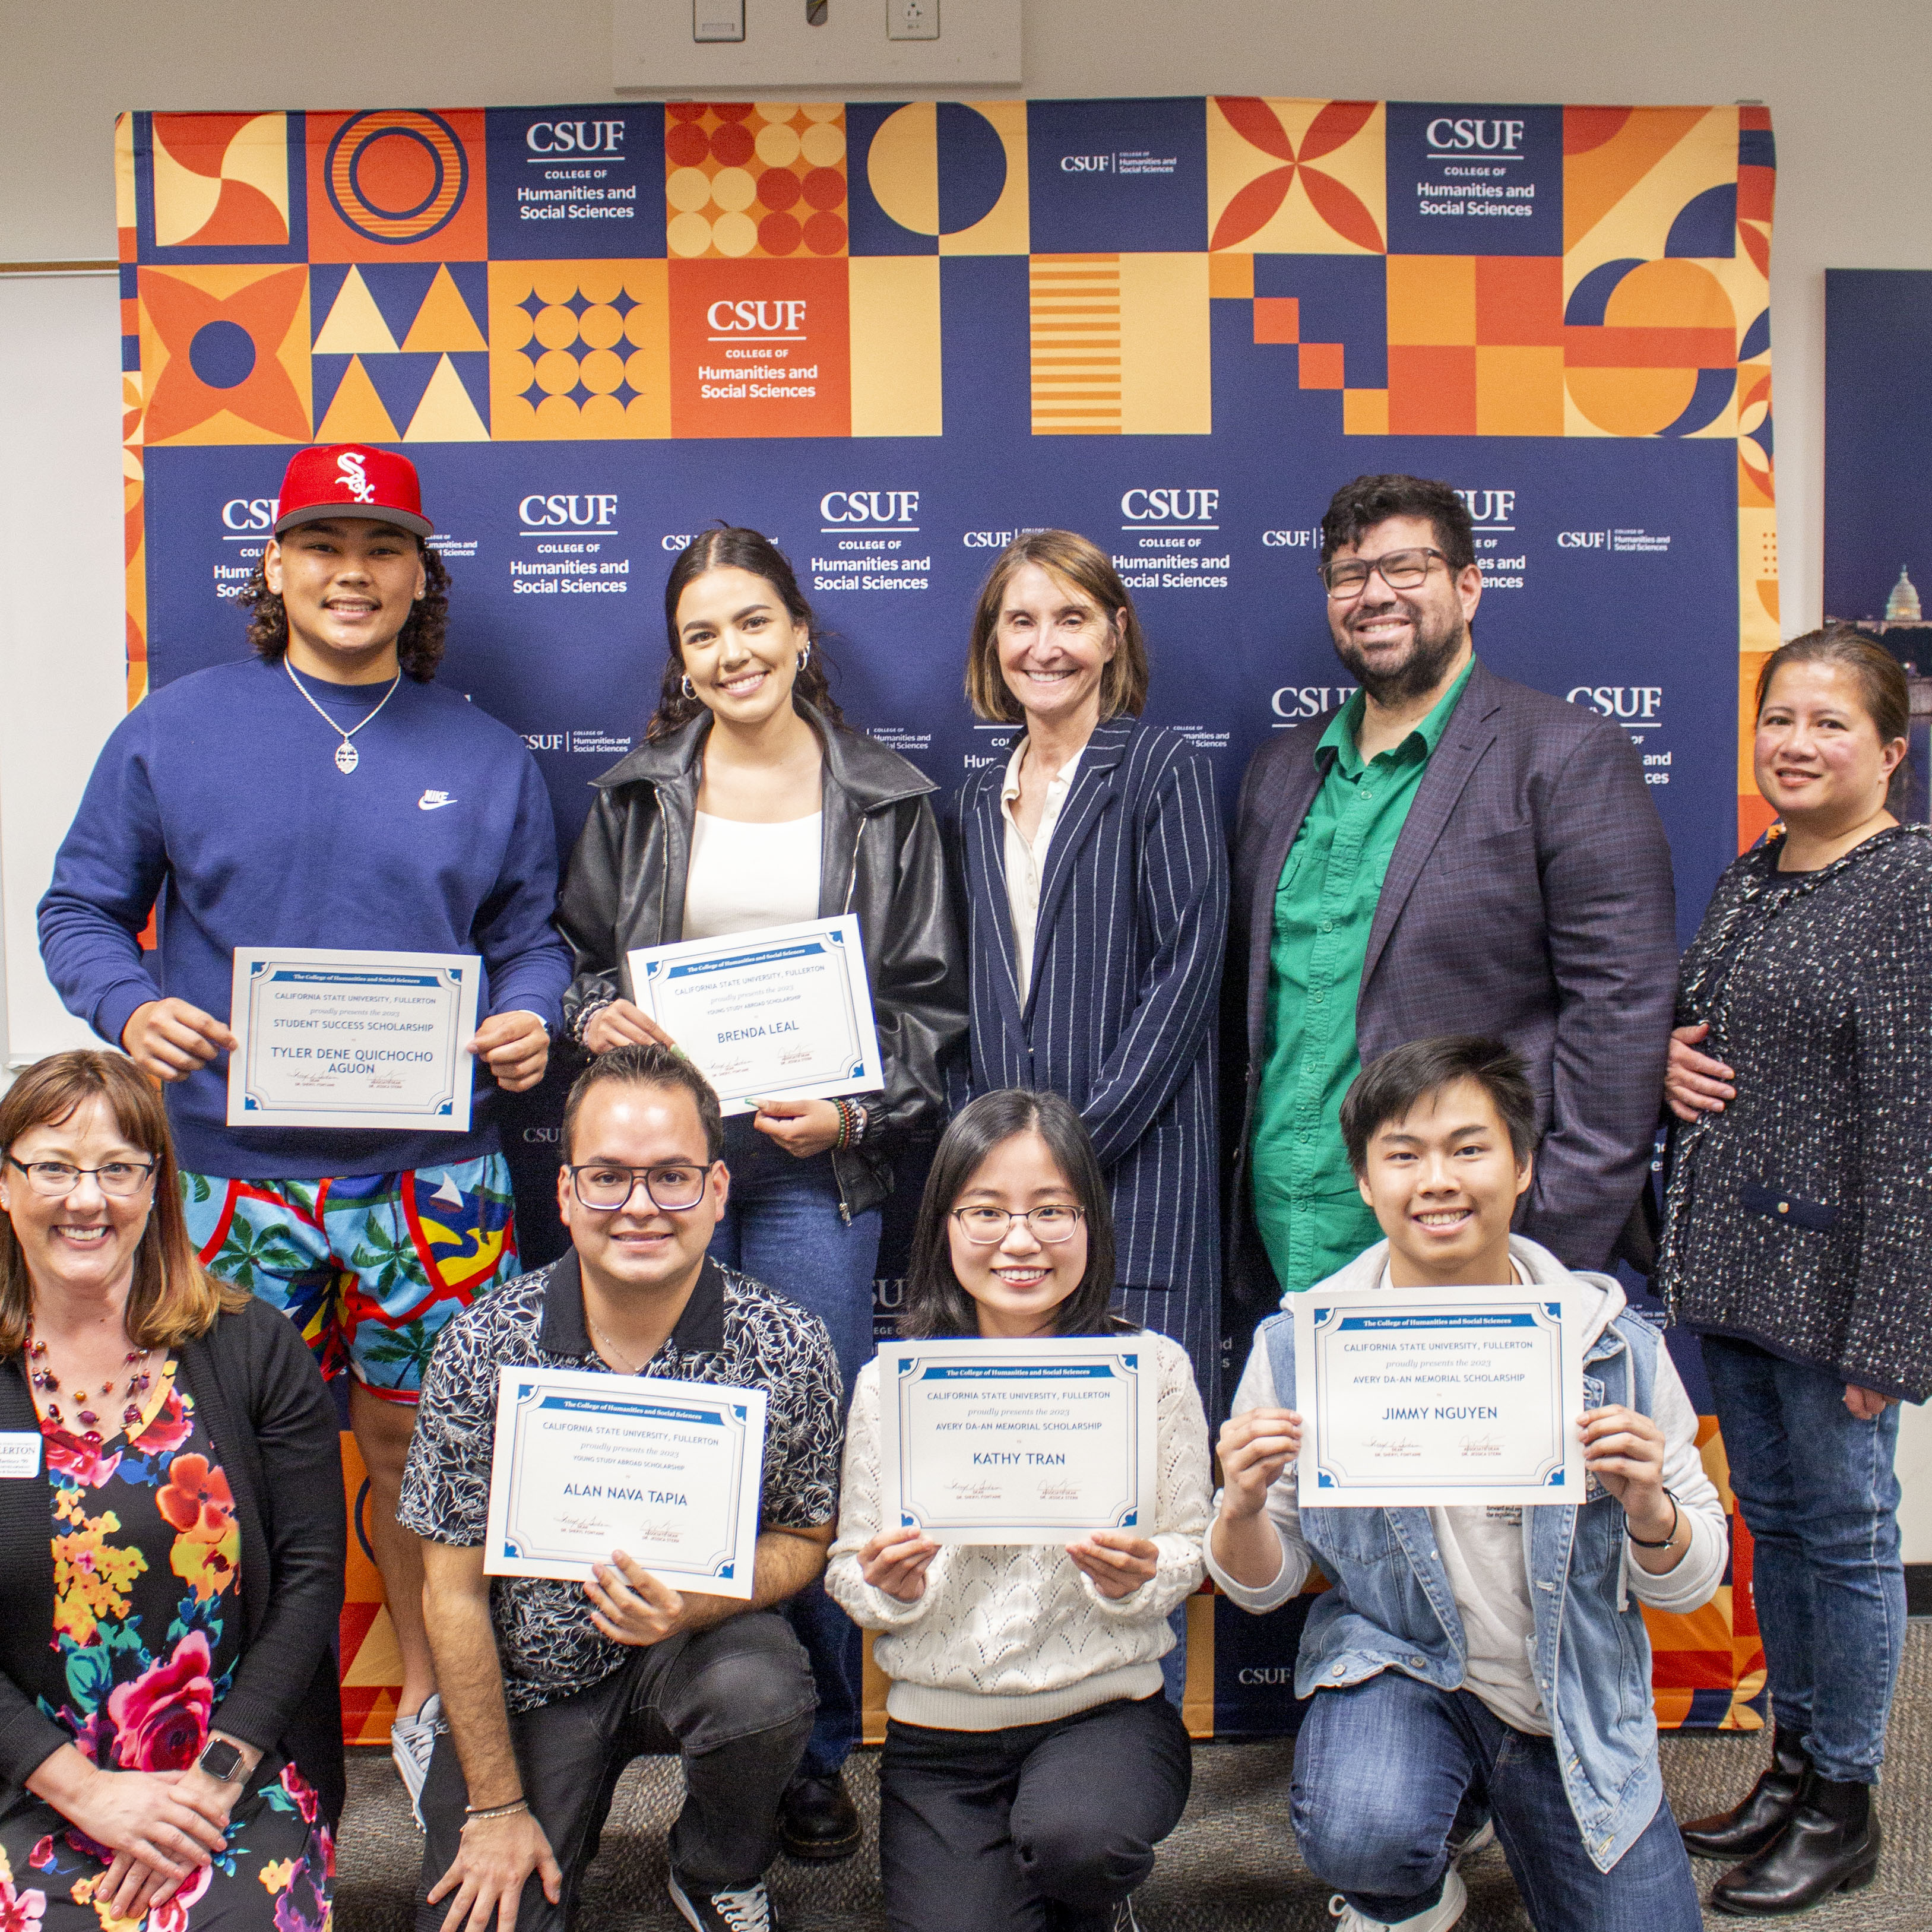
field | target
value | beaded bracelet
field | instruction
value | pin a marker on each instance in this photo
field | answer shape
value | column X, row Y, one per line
column 473, row 1815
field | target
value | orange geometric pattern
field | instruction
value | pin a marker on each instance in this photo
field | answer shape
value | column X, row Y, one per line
column 221, row 181
column 225, row 355
column 1264, row 193
column 750, row 182
column 577, row 350
column 398, row 185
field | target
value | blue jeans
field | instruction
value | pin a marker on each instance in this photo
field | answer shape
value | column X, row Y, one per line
column 783, row 1228
column 1381, row 1769
column 1818, row 1496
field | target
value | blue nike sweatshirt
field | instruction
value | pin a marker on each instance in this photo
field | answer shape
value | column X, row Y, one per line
column 217, row 801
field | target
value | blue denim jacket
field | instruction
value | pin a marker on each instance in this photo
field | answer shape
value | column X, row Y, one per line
column 1391, row 1608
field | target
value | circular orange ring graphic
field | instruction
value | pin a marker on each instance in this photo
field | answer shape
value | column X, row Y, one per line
column 449, row 177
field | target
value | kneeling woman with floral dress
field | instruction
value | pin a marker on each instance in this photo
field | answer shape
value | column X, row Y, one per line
column 171, row 1509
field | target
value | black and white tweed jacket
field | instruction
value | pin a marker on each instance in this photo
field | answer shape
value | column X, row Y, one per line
column 1800, row 1218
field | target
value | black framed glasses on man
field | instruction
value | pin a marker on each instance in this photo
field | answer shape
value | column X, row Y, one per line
column 1400, row 569
column 673, row 1187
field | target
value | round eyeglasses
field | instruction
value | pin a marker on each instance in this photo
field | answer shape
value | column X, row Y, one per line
column 1400, row 570
column 673, row 1188
column 984, row 1226
column 55, row 1178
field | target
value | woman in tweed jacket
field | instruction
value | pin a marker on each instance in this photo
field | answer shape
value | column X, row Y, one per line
column 1798, row 1240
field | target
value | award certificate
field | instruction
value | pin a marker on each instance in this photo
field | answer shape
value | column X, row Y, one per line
column 1420, row 1397
column 587, row 1463
column 781, row 1014
column 352, row 1039
column 1035, row 1442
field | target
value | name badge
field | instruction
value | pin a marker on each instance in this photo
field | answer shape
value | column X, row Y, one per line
column 19, row 1452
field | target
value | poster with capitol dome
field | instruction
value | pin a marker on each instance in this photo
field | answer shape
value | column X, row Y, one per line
column 893, row 334
column 1878, row 502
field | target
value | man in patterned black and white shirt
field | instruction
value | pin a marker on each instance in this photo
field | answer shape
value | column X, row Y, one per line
column 550, row 1688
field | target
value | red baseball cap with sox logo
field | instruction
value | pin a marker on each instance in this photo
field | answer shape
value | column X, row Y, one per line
column 351, row 479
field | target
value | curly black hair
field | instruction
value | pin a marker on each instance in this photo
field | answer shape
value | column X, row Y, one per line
column 419, row 644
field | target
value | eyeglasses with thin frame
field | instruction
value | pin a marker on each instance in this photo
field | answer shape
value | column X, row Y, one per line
column 674, row 1187
column 986, row 1226
column 55, row 1178
column 1400, row 570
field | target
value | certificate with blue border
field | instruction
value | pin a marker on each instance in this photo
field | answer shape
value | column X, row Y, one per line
column 329, row 1038
column 1036, row 1442
column 1423, row 1396
column 587, row 1464
column 785, row 1013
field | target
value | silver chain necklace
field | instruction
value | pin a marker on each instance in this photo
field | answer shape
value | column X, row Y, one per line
column 604, row 1347
column 346, row 757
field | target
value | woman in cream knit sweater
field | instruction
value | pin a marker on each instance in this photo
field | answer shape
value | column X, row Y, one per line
column 1032, row 1759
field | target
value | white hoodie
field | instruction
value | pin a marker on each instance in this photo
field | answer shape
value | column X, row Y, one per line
column 1482, row 1547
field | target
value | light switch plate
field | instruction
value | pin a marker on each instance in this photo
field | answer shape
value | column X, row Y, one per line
column 717, row 20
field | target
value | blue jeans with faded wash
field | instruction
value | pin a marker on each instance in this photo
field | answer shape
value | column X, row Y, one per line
column 1818, row 1495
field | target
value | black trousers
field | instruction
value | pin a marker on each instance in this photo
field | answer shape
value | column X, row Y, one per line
column 735, row 1702
column 1042, row 1825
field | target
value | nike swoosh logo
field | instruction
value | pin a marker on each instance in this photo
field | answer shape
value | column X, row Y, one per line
column 433, row 804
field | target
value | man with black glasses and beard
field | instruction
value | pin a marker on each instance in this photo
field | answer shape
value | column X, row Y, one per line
column 1452, row 853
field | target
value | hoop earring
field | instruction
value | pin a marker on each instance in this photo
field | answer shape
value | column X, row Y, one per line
column 805, row 656
column 685, row 684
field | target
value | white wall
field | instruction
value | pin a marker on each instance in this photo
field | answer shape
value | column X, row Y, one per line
column 1848, row 84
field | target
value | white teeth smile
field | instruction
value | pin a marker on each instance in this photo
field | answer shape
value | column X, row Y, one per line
column 87, row 1236
column 1444, row 1217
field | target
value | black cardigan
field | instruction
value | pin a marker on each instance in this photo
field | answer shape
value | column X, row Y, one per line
column 1800, row 1218
column 274, row 1428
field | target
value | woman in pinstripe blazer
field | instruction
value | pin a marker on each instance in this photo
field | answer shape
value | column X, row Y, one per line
column 1095, row 882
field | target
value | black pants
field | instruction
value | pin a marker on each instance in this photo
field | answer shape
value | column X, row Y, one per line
column 1042, row 1825
column 735, row 1701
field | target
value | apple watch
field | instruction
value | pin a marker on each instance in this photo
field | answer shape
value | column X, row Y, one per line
column 221, row 1760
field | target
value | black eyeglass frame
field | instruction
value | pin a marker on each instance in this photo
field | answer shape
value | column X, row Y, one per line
column 1375, row 566
column 640, row 1176
column 31, row 1169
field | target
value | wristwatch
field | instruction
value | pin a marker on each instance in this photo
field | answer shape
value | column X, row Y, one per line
column 221, row 1760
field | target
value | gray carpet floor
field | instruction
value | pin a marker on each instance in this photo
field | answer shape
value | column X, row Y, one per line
column 1229, row 1867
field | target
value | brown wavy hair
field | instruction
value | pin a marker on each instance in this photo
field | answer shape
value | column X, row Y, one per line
column 729, row 547
column 1074, row 560
column 172, row 1299
column 419, row 644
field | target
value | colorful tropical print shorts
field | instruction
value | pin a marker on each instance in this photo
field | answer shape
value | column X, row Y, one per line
column 370, row 1268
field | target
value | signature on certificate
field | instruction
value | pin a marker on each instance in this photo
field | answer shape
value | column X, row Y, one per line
column 1394, row 1446
column 1059, row 1492
column 573, row 1524
column 974, row 1492
column 1480, row 1445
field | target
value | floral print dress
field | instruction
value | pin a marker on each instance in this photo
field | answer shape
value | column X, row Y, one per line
column 147, row 1631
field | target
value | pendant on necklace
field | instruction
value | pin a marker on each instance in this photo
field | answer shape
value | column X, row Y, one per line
column 345, row 758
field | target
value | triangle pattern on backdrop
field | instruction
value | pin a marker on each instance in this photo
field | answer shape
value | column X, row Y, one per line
column 444, row 323
column 355, row 326
column 356, row 414
column 446, row 414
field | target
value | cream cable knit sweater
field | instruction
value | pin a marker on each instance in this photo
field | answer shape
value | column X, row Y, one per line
column 1015, row 1633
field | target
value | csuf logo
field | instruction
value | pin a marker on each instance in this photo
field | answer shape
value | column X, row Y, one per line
column 252, row 515
column 771, row 318
column 1628, row 704
column 1198, row 507
column 569, row 513
column 603, row 138
column 1447, row 136
column 874, row 508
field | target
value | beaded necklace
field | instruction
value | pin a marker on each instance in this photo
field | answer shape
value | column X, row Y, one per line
column 39, row 1371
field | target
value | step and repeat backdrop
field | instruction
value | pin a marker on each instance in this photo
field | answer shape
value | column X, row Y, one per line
column 892, row 336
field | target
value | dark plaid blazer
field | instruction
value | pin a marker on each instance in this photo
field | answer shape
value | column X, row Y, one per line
column 1120, row 1014
column 1529, row 898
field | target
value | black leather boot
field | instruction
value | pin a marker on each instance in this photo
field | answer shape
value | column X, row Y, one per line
column 1831, row 1843
column 1746, row 1828
column 818, row 1823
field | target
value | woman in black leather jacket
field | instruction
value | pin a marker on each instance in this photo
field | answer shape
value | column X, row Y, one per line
column 752, row 804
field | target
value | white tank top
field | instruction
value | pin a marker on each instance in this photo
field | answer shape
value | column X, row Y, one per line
column 744, row 878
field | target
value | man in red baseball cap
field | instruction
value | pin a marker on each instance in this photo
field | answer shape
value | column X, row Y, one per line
column 326, row 794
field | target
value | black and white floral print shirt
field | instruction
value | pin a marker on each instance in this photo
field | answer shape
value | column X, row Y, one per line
column 734, row 1329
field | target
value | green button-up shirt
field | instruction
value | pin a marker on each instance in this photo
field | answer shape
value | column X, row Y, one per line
column 1312, row 1218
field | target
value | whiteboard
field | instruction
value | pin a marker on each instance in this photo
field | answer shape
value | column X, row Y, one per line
column 63, row 643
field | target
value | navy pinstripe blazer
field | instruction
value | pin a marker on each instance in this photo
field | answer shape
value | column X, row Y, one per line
column 1121, row 1017
column 1529, row 897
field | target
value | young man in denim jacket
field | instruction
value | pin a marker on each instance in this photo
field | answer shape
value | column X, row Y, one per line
column 1478, row 1666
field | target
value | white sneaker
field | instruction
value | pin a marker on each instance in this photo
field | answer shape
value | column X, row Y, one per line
column 1440, row 1916
column 411, row 1745
column 743, row 1908
column 1479, row 1840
